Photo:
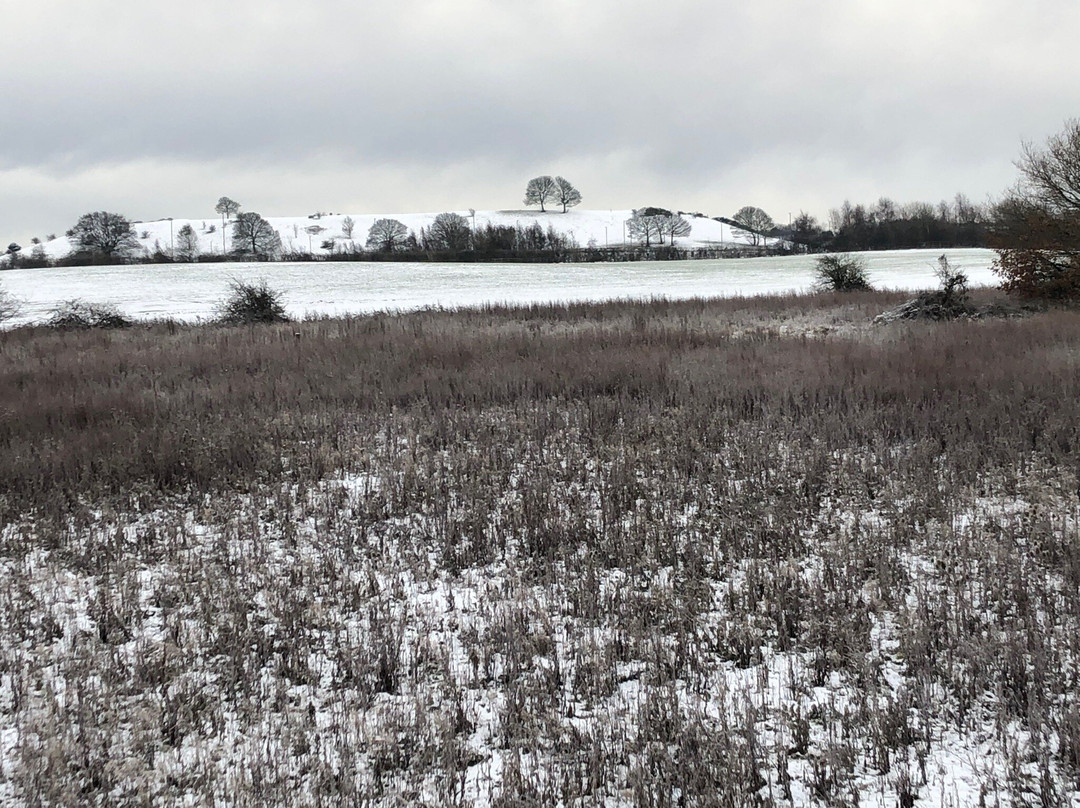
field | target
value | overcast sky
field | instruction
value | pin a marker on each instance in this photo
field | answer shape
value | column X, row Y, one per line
column 366, row 106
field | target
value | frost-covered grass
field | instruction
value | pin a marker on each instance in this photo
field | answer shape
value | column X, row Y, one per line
column 621, row 554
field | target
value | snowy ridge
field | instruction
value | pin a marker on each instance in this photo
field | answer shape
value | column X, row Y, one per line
column 596, row 228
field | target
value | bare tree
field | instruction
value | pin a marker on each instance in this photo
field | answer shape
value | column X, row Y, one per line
column 540, row 190
column 966, row 211
column 12, row 253
column 1050, row 176
column 227, row 208
column 107, row 234
column 347, row 225
column 253, row 235
column 187, row 243
column 449, row 231
column 566, row 194
column 754, row 222
column 387, row 235
column 645, row 226
column 1036, row 227
column 675, row 226
column 806, row 230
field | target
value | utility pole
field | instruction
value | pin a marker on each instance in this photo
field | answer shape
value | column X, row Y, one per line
column 172, row 243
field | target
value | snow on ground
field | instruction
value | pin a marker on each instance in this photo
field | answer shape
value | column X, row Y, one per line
column 598, row 228
column 191, row 291
column 464, row 646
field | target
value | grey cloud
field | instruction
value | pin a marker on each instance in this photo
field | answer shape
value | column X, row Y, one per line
column 918, row 99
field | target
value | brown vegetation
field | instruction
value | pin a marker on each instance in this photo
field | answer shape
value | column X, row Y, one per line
column 655, row 554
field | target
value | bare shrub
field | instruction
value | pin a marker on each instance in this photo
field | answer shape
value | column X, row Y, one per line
column 9, row 305
column 252, row 302
column 954, row 282
column 841, row 273
column 83, row 314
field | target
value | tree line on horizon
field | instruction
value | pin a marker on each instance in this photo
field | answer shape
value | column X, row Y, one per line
column 106, row 237
column 885, row 225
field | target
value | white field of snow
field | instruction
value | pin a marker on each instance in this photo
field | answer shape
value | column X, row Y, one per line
column 192, row 291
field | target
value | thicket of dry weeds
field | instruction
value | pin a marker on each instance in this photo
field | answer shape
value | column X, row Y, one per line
column 697, row 553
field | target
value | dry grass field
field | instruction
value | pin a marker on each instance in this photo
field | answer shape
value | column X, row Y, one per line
column 702, row 553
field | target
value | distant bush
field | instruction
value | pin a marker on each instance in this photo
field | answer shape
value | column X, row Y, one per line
column 1040, row 271
column 252, row 302
column 841, row 273
column 82, row 314
column 9, row 306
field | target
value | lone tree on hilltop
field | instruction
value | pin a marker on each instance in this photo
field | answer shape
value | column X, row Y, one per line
column 387, row 235
column 449, row 231
column 253, row 235
column 107, row 234
column 1036, row 227
column 566, row 194
column 540, row 190
column 227, row 208
column 754, row 222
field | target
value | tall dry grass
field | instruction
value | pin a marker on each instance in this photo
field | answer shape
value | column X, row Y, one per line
column 693, row 553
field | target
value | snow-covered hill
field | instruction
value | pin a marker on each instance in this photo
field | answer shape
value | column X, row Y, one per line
column 596, row 228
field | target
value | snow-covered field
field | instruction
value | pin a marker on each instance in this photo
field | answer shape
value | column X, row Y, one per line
column 191, row 291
